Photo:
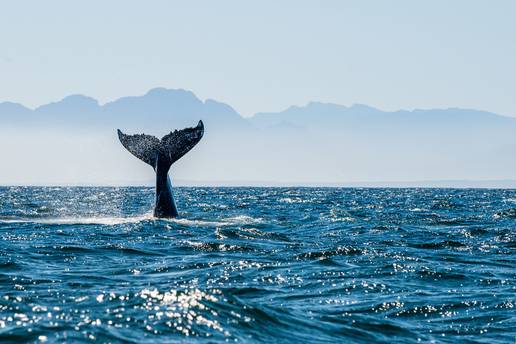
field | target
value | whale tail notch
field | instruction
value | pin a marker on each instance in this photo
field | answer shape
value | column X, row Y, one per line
column 168, row 150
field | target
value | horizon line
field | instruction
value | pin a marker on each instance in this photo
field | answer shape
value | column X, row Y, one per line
column 444, row 184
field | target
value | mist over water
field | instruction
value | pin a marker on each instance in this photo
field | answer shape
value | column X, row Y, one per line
column 258, row 264
column 74, row 142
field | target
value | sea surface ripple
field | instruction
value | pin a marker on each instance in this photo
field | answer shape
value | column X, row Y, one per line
column 311, row 265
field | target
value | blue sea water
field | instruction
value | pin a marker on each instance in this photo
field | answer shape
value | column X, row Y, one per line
column 271, row 265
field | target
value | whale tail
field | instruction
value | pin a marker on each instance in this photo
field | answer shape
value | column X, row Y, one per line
column 168, row 150
column 161, row 154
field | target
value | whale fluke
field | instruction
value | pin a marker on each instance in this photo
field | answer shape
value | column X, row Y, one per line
column 161, row 154
column 170, row 148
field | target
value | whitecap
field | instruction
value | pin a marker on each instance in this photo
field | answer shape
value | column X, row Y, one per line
column 112, row 221
column 109, row 221
column 231, row 221
column 242, row 220
column 194, row 223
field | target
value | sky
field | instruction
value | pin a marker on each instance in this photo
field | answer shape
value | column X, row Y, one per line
column 264, row 55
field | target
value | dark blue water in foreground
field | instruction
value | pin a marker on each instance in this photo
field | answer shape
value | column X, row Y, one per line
column 258, row 265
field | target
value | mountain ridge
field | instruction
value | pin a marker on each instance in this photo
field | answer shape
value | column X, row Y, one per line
column 157, row 92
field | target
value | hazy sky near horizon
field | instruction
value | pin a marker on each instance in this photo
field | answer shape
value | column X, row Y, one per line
column 264, row 55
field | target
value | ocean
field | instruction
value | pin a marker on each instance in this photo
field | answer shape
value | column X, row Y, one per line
column 265, row 265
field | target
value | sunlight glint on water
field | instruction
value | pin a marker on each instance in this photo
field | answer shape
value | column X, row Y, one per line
column 268, row 264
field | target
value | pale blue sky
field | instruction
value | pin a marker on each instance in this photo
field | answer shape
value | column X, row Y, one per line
column 264, row 55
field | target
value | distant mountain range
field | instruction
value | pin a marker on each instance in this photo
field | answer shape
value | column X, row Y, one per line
column 74, row 141
column 157, row 109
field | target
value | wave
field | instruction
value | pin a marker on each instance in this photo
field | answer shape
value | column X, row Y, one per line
column 113, row 221
column 507, row 213
column 230, row 221
column 339, row 251
column 108, row 221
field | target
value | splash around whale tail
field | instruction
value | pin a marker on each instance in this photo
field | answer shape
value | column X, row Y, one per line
column 161, row 154
column 168, row 150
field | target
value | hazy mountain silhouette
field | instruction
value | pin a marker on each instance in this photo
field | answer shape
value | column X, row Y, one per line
column 316, row 143
column 158, row 109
